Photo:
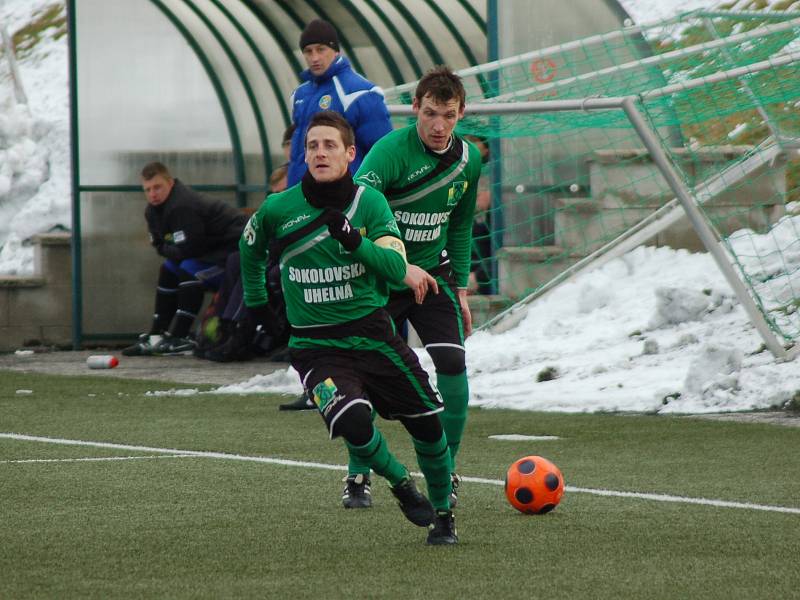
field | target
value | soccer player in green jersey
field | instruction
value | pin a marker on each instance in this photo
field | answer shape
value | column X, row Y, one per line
column 430, row 178
column 344, row 251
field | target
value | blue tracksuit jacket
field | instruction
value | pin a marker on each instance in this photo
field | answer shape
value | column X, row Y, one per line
column 343, row 90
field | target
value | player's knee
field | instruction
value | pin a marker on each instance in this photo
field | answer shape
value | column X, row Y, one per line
column 426, row 429
column 167, row 279
column 354, row 425
column 187, row 278
column 448, row 360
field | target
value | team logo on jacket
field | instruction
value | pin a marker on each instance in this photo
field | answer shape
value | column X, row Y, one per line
column 325, row 102
column 249, row 233
column 456, row 191
column 370, row 178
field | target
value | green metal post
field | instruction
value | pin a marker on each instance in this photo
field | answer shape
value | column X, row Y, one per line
column 75, row 180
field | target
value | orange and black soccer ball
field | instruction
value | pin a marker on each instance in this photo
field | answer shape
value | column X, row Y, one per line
column 534, row 485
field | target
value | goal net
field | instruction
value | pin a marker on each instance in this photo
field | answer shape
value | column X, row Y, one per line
column 570, row 182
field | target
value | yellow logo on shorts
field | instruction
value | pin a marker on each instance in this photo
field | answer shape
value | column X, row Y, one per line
column 325, row 395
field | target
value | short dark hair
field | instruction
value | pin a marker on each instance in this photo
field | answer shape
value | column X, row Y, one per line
column 333, row 119
column 154, row 168
column 287, row 134
column 442, row 85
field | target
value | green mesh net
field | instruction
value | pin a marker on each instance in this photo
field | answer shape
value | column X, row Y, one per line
column 720, row 90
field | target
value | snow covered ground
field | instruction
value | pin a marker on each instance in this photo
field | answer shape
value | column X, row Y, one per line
column 34, row 142
column 657, row 330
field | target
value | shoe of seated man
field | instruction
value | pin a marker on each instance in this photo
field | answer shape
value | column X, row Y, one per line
column 144, row 346
column 172, row 346
column 415, row 506
column 357, row 493
column 301, row 403
column 443, row 529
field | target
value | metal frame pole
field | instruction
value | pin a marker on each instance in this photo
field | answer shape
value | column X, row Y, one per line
column 701, row 227
column 77, row 279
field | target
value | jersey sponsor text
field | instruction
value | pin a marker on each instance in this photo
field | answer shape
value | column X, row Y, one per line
column 422, row 235
column 420, row 218
column 328, row 294
column 326, row 274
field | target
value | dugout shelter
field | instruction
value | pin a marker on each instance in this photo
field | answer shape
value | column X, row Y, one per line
column 203, row 86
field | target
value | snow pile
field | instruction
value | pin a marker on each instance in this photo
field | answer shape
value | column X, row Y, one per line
column 657, row 330
column 34, row 142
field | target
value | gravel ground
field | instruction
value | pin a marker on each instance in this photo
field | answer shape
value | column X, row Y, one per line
column 178, row 369
column 191, row 370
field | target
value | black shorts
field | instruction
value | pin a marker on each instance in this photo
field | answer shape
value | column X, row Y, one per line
column 438, row 320
column 362, row 362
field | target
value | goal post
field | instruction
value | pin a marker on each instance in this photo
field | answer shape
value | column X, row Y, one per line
column 693, row 146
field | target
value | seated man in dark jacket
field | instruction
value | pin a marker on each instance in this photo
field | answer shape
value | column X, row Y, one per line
column 195, row 235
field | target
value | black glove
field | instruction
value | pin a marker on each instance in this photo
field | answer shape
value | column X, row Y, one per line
column 342, row 231
column 259, row 316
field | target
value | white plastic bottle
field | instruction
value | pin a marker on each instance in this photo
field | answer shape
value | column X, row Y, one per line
column 102, row 361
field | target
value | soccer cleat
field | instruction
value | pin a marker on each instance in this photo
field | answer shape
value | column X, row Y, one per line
column 143, row 347
column 357, row 493
column 443, row 529
column 415, row 506
column 173, row 346
column 453, row 498
column 301, row 403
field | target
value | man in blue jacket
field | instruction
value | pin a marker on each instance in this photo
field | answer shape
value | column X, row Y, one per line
column 330, row 83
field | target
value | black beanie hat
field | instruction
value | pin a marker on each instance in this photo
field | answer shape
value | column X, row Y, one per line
column 319, row 32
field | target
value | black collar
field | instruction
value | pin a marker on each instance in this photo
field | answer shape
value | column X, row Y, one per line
column 330, row 194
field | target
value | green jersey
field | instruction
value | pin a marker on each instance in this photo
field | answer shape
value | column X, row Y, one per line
column 323, row 284
column 432, row 196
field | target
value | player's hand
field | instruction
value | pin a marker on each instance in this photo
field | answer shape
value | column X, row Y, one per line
column 420, row 281
column 465, row 312
column 259, row 316
column 342, row 231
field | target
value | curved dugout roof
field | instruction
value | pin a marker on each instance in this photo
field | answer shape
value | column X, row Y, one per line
column 248, row 51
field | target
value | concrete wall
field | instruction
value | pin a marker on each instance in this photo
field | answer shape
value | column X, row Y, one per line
column 626, row 188
column 37, row 310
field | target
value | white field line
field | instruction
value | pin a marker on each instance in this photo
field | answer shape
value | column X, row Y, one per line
column 172, row 452
column 89, row 459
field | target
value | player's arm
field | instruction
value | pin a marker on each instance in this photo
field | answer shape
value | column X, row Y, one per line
column 459, row 234
column 386, row 256
column 459, row 244
column 253, row 247
column 416, row 278
column 156, row 239
column 188, row 235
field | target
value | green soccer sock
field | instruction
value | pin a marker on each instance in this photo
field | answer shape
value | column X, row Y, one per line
column 376, row 456
column 356, row 463
column 434, row 462
column 455, row 393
